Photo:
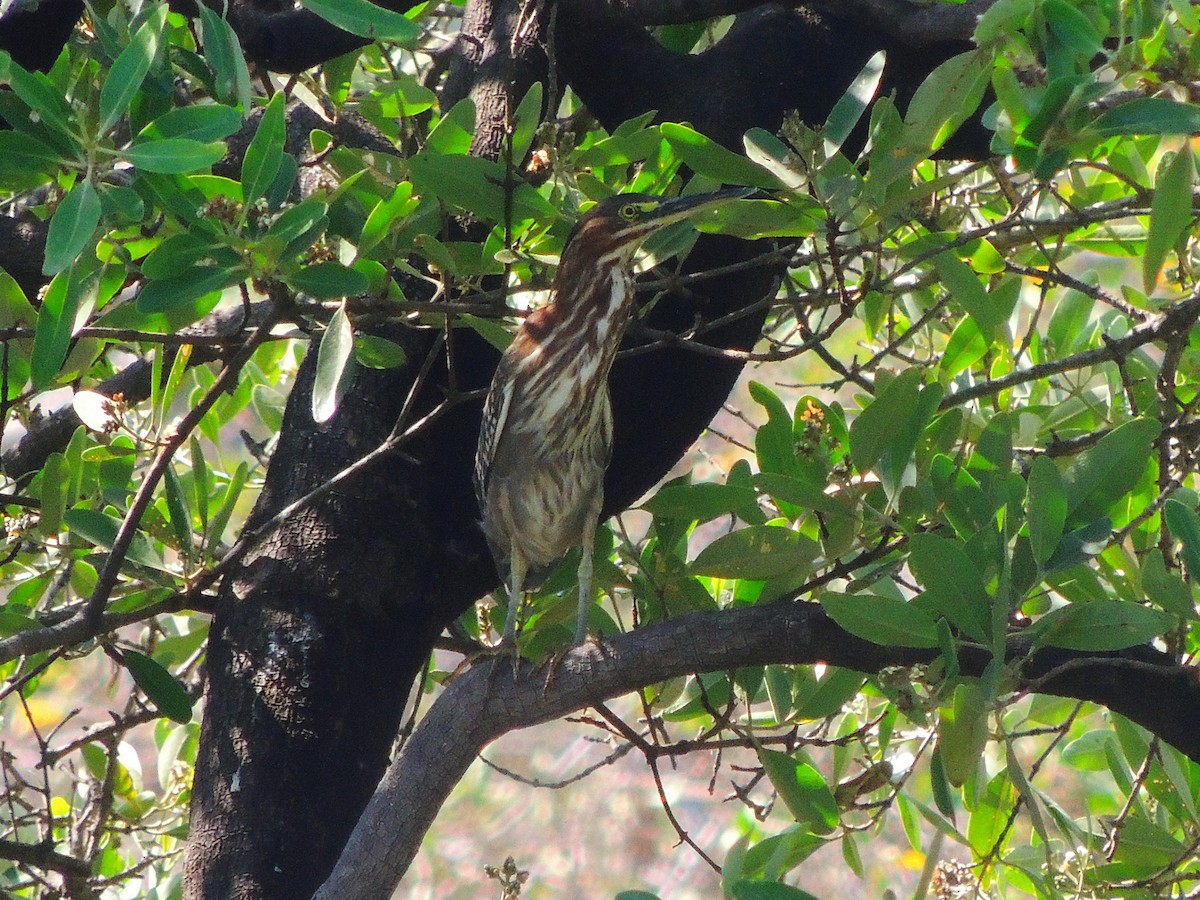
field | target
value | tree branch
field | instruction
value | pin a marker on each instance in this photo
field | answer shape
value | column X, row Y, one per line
column 477, row 708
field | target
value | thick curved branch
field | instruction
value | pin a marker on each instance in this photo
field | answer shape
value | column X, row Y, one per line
column 477, row 708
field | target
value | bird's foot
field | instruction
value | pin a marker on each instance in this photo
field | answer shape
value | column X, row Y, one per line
column 505, row 647
column 554, row 660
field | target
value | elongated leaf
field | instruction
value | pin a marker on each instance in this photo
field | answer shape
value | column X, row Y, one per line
column 25, row 153
column 802, row 789
column 882, row 620
column 329, row 281
column 875, row 428
column 40, row 94
column 335, row 357
column 1109, row 470
column 224, row 53
column 1046, row 508
column 208, row 122
column 365, row 19
column 1102, row 625
column 100, row 529
column 964, row 286
column 376, row 352
column 452, row 135
column 160, row 686
column 849, row 109
column 1184, row 524
column 759, row 551
column 1170, row 212
column 194, row 283
column 525, row 122
column 962, row 732
column 72, row 226
column 380, row 219
column 953, row 584
column 1150, row 115
column 215, row 532
column 945, row 100
column 709, row 158
column 174, row 156
column 264, row 156
column 129, row 70
column 699, row 502
column 55, row 322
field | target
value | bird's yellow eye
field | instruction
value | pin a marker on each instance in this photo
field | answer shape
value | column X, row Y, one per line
column 628, row 212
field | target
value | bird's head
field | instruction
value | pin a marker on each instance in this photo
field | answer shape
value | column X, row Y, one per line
column 612, row 229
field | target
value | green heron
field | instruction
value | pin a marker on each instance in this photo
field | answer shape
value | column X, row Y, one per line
column 547, row 425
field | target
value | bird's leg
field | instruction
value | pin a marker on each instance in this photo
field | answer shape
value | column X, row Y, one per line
column 584, row 573
column 508, row 640
column 516, row 582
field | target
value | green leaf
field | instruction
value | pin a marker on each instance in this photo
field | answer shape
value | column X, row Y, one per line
column 129, row 69
column 991, row 816
column 335, row 369
column 174, row 156
column 965, row 348
column 964, row 286
column 215, row 530
column 1170, row 212
column 525, row 122
column 875, row 428
column 1079, row 546
column 375, row 352
column 224, row 53
column 945, row 99
column 699, row 502
column 329, row 281
column 72, row 226
column 758, row 551
column 100, row 529
column 953, row 584
column 1073, row 27
column 886, row 621
column 1102, row 625
column 386, row 212
column 40, row 94
column 177, row 510
column 849, row 109
column 1110, row 470
column 709, row 158
column 1046, row 508
column 802, row 789
column 198, row 122
column 55, row 485
column 774, row 442
column 24, row 153
column 177, row 293
column 175, row 255
column 453, row 133
column 1149, row 115
column 159, row 685
column 1184, row 524
column 56, row 320
column 1165, row 588
column 365, row 19
column 264, row 156
column 767, row 890
column 963, row 732
column 491, row 330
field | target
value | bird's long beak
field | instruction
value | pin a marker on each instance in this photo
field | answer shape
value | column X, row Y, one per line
column 678, row 208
